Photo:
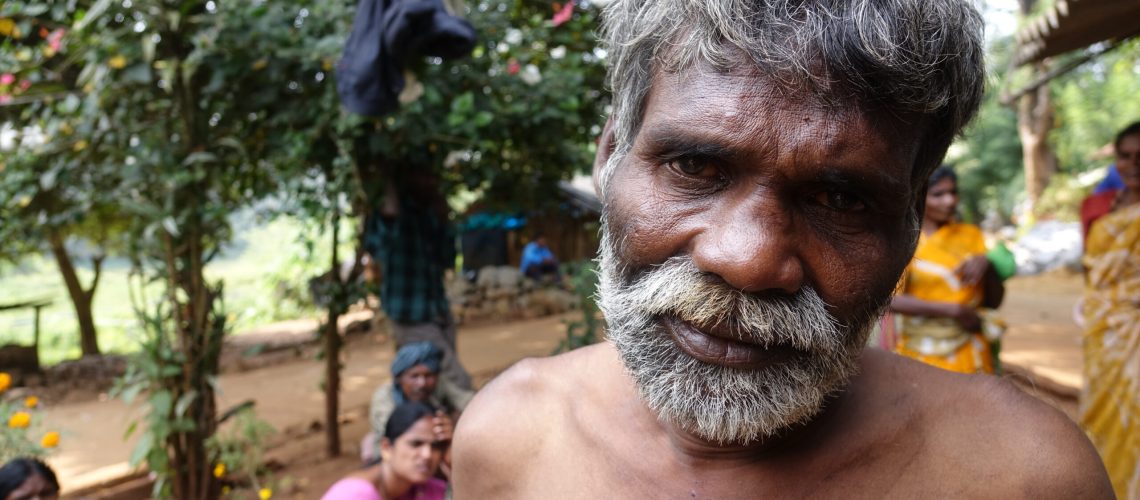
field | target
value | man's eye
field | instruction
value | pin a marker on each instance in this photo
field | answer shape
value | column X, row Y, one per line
column 841, row 201
column 694, row 167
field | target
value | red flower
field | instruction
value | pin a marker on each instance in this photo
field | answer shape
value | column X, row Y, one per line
column 564, row 15
column 513, row 67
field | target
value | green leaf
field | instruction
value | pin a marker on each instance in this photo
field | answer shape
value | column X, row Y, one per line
column 199, row 157
column 184, row 402
column 96, row 10
column 142, row 449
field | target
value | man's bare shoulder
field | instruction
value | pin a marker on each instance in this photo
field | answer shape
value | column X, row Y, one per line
column 510, row 420
column 990, row 427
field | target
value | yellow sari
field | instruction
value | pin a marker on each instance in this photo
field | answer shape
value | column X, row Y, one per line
column 1110, row 401
column 930, row 276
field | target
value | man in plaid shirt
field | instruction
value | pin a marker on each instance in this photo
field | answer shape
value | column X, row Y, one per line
column 411, row 239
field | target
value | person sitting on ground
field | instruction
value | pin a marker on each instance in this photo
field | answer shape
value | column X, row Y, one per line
column 412, row 450
column 538, row 261
column 415, row 377
column 946, row 285
column 28, row 479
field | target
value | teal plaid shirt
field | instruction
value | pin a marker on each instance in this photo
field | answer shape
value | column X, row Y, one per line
column 413, row 250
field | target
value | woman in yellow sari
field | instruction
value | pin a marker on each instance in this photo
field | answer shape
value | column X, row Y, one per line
column 945, row 285
column 1110, row 401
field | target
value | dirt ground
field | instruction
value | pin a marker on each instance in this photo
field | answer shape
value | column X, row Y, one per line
column 1041, row 351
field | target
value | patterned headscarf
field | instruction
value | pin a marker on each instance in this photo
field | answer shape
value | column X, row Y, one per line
column 417, row 353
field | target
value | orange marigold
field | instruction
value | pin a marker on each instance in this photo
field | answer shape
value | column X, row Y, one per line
column 20, row 420
column 50, row 440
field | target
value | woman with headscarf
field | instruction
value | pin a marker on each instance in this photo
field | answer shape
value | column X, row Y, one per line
column 415, row 377
column 946, row 285
column 1110, row 401
column 411, row 452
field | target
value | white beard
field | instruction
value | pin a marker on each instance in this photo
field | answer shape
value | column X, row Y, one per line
column 718, row 403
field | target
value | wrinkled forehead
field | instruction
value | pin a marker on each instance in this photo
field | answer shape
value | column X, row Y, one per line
column 756, row 107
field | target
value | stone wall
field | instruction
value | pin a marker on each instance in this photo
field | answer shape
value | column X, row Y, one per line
column 503, row 293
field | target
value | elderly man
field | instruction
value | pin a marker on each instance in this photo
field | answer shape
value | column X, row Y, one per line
column 415, row 377
column 763, row 175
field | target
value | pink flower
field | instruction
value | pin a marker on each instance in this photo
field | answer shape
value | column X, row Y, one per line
column 7, row 79
column 24, row 84
column 513, row 67
column 564, row 15
column 5, row 99
column 55, row 39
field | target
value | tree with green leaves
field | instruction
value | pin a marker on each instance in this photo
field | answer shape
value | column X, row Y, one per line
column 187, row 111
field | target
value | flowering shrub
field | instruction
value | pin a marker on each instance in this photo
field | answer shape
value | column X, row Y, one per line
column 20, row 434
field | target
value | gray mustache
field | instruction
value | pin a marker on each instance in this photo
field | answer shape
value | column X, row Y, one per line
column 679, row 289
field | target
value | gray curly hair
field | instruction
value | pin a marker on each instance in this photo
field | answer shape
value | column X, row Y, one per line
column 902, row 56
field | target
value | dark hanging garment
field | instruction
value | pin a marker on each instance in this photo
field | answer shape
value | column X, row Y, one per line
column 386, row 34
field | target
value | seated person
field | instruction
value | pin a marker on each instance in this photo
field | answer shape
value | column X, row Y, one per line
column 411, row 450
column 538, row 260
column 415, row 377
column 27, row 478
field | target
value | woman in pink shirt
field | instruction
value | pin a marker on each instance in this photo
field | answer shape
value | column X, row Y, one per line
column 411, row 450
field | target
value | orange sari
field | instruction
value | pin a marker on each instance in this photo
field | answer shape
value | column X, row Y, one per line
column 930, row 276
column 1110, row 400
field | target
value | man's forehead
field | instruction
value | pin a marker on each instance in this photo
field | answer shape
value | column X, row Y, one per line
column 747, row 109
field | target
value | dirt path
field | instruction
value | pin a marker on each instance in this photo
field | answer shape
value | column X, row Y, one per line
column 288, row 396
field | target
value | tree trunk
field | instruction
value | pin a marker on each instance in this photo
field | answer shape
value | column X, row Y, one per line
column 1034, row 121
column 80, row 298
column 332, row 349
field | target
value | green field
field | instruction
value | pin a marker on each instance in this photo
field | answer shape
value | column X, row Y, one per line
column 252, row 267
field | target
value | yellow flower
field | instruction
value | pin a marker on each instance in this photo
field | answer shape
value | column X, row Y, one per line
column 65, row 128
column 265, row 494
column 20, row 420
column 219, row 470
column 50, row 440
column 225, row 490
column 8, row 27
column 5, row 381
column 260, row 64
column 79, row 145
column 31, row 401
column 327, row 64
column 117, row 62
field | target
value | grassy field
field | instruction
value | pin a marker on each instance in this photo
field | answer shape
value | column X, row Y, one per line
column 251, row 267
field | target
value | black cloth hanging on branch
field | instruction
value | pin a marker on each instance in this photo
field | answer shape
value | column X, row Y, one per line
column 385, row 35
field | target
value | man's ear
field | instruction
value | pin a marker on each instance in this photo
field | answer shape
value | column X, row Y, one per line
column 605, row 149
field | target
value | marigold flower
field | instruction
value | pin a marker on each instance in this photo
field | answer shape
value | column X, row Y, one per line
column 5, row 381
column 20, row 420
column 260, row 64
column 50, row 440
column 219, row 470
column 117, row 62
column 31, row 401
column 265, row 494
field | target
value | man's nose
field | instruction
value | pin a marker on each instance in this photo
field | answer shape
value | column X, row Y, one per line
column 751, row 246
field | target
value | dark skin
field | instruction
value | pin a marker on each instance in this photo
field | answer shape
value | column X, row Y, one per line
column 1128, row 164
column 418, row 383
column 769, row 194
column 941, row 209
